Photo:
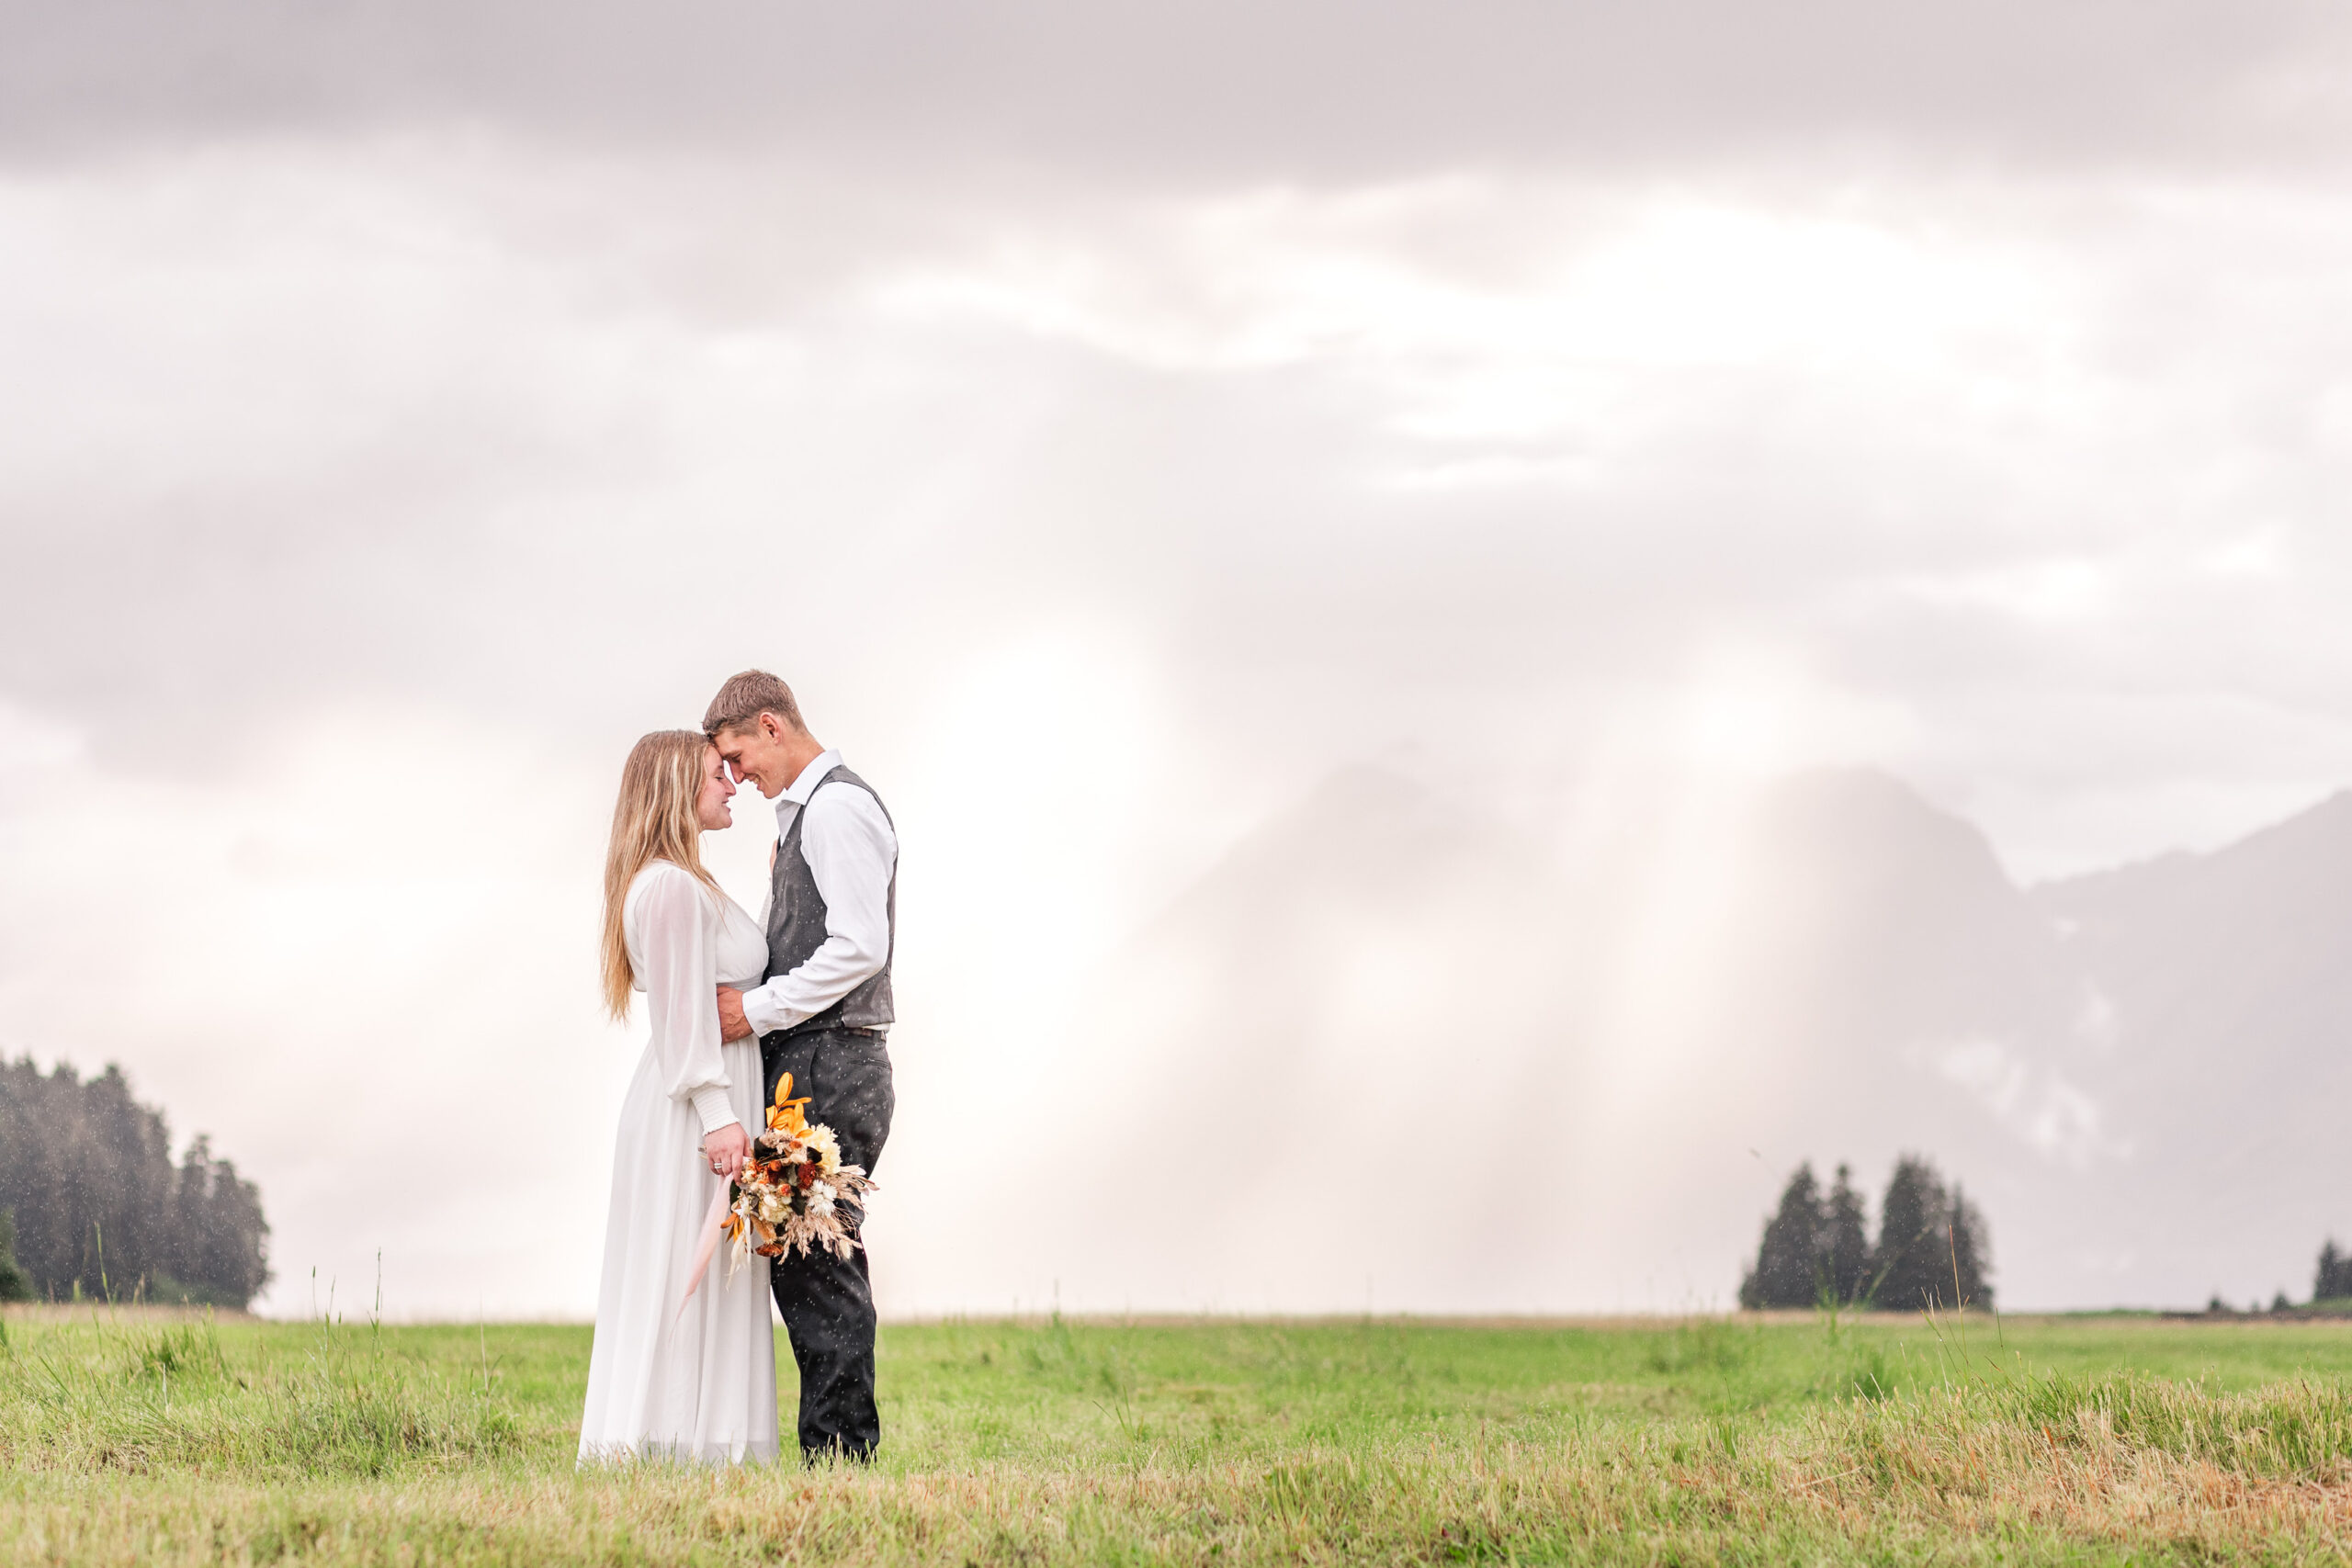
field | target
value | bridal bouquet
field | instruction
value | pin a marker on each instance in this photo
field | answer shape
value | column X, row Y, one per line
column 790, row 1195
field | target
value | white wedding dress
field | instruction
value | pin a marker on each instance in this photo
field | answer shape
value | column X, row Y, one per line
column 701, row 1386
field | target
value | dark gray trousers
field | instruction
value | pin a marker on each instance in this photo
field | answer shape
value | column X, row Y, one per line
column 828, row 1302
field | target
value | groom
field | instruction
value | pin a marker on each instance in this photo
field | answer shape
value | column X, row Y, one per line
column 821, row 1015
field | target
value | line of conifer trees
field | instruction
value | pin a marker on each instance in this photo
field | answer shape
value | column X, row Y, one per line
column 1932, row 1249
column 94, row 1203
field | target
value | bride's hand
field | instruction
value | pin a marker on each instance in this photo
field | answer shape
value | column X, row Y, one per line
column 726, row 1147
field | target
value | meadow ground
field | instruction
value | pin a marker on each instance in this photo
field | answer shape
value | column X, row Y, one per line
column 147, row 1438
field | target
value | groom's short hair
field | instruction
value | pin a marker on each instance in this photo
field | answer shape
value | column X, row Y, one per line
column 740, row 701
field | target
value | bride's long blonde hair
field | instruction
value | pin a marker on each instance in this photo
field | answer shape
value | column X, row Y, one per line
column 653, row 819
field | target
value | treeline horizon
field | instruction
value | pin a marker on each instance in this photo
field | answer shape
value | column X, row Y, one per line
column 1933, row 1249
column 92, row 1205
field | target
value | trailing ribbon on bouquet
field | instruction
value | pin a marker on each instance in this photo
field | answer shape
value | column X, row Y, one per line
column 789, row 1196
column 714, row 1225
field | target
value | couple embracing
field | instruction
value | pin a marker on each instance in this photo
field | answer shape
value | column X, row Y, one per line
column 734, row 1004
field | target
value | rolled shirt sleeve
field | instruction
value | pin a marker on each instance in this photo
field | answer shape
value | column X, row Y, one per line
column 851, row 851
column 677, row 935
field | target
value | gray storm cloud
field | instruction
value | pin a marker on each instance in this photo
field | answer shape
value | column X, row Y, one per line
column 1213, row 92
column 1125, row 424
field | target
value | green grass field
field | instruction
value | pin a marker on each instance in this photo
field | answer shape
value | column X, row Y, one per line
column 141, row 1437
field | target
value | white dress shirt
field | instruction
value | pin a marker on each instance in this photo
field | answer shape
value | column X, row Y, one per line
column 851, row 851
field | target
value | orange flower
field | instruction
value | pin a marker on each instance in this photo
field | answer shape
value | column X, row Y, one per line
column 784, row 1116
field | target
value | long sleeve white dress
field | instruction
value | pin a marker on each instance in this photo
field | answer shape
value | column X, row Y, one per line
column 699, row 1387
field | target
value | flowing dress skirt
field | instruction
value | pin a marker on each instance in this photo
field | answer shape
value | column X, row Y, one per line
column 699, row 1387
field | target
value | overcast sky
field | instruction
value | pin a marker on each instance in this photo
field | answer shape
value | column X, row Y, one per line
column 1113, row 419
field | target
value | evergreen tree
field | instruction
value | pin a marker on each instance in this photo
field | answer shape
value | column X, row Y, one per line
column 1971, row 1252
column 1847, row 1240
column 2334, row 1281
column 1915, row 1239
column 1789, row 1266
column 14, row 1285
column 100, row 1207
column 220, row 1242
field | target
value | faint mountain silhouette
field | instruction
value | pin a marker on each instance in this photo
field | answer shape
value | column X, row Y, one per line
column 2227, row 978
column 1385, row 991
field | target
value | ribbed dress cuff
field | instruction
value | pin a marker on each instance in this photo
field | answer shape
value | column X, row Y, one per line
column 711, row 1104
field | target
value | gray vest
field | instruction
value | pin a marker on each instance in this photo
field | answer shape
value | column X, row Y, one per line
column 796, row 923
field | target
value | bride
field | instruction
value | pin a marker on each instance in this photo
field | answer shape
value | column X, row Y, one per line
column 697, row 1385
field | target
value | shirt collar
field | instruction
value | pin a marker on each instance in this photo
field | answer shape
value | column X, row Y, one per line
column 810, row 776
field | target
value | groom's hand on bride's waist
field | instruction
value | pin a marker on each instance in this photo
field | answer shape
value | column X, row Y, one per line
column 732, row 1025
